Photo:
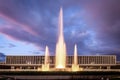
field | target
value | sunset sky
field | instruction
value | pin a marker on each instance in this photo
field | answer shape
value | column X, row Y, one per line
column 27, row 26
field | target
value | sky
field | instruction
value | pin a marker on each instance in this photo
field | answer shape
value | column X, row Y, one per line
column 27, row 26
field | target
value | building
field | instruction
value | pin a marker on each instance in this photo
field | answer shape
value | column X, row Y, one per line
column 35, row 62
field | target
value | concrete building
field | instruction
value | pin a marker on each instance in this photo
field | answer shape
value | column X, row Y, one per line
column 35, row 62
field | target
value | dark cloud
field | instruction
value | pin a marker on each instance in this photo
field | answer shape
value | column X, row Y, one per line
column 2, row 54
column 91, row 24
column 41, row 52
column 2, row 57
column 10, row 45
column 107, row 27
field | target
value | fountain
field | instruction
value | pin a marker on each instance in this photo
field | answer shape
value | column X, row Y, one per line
column 75, row 66
column 60, row 60
column 75, row 55
column 45, row 66
column 60, row 54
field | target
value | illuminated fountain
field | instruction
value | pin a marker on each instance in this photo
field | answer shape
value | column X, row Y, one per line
column 45, row 66
column 75, row 66
column 75, row 55
column 60, row 54
column 60, row 60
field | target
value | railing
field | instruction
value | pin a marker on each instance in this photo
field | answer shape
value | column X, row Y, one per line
column 113, row 70
column 118, row 70
column 67, row 64
column 19, row 70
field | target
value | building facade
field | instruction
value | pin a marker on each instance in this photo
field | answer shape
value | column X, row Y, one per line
column 106, row 59
column 35, row 62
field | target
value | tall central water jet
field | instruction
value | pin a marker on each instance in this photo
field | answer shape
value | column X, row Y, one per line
column 60, row 46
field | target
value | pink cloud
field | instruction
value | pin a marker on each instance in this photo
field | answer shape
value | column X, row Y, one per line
column 23, row 26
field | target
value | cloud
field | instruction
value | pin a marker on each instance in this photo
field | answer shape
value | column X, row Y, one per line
column 2, row 57
column 1, row 46
column 37, row 52
column 11, row 45
column 92, row 25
